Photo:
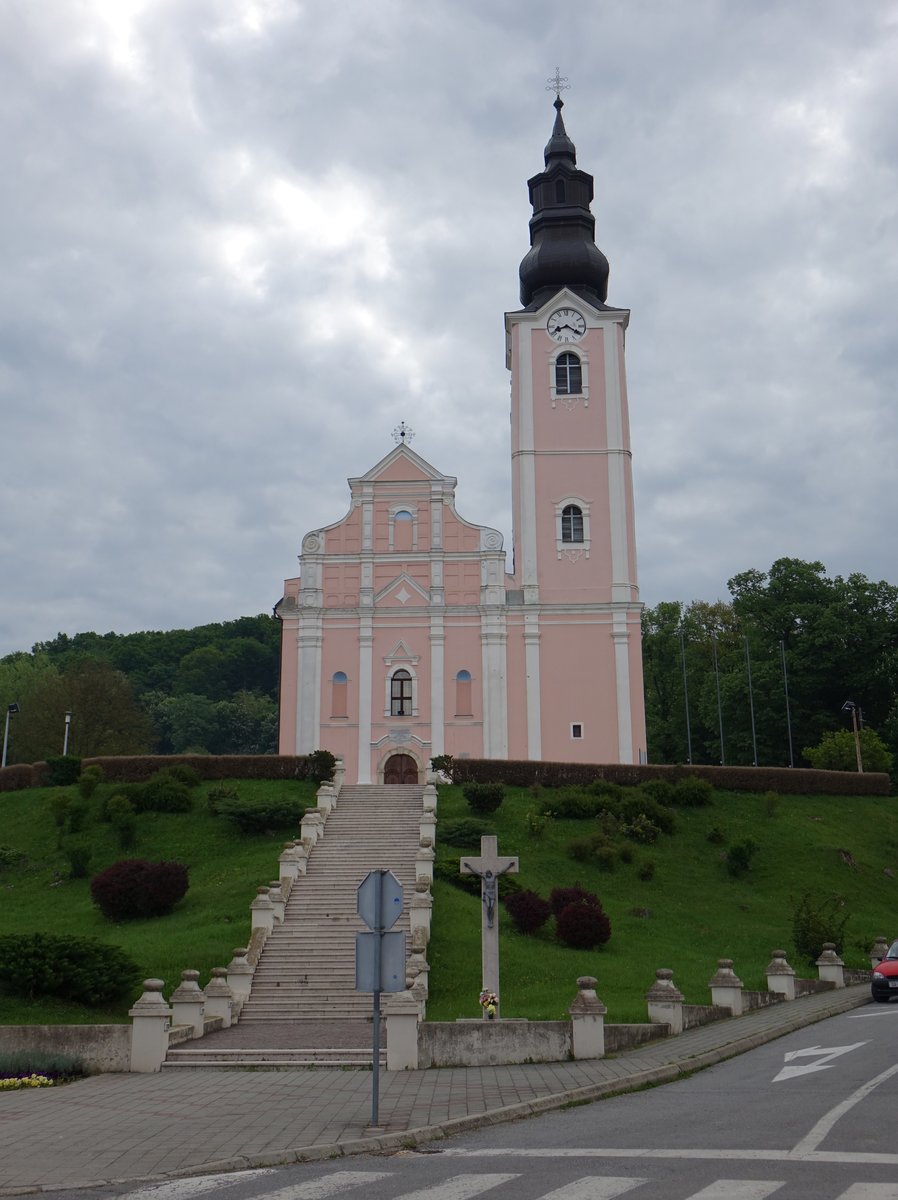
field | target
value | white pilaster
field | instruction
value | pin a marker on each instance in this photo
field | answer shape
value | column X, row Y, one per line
column 531, row 663
column 622, row 574
column 366, row 641
column 309, row 642
column 622, row 682
column 437, row 684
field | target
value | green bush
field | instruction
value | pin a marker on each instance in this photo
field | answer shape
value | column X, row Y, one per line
column 662, row 791
column 78, row 856
column 692, row 792
column 321, row 765
column 465, row 832
column 646, row 870
column 81, row 969
column 837, row 751
column 183, row 773
column 716, row 836
column 263, row 815
column 88, row 781
column 640, row 829
column 221, row 792
column 483, row 797
column 442, row 764
column 77, row 814
column 10, row 857
column 605, row 858
column 535, row 823
column 817, row 919
column 59, row 808
column 162, row 793
column 120, row 814
column 63, row 770
column 739, row 856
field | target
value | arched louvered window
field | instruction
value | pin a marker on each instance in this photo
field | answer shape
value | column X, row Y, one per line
column 401, row 694
column 568, row 375
column 571, row 523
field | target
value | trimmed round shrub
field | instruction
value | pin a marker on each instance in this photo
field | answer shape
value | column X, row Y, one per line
column 135, row 888
column 162, row 793
column 483, row 797
column 582, row 926
column 264, row 815
column 646, row 870
column 465, row 832
column 693, row 792
column 659, row 790
column 183, row 773
column 561, row 897
column 81, row 969
column 89, row 780
column 63, row 769
column 528, row 910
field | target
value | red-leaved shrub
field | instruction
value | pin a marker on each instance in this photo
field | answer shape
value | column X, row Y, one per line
column 135, row 888
column 582, row 926
column 528, row 910
column 561, row 897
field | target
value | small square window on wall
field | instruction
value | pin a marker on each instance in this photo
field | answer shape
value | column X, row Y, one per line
column 576, row 731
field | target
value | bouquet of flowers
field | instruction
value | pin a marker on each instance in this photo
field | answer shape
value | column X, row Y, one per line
column 489, row 1002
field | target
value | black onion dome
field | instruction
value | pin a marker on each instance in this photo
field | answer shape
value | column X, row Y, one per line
column 563, row 252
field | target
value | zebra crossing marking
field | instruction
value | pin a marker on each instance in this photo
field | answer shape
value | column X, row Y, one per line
column 468, row 1185
column 594, row 1187
column 738, row 1189
column 326, row 1185
column 181, row 1189
column 871, row 1191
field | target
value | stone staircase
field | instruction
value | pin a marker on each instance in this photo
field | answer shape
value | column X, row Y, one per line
column 303, row 1009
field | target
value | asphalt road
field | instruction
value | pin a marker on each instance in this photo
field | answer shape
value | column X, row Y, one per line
column 812, row 1115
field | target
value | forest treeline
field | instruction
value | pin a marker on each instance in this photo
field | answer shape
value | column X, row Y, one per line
column 212, row 689
column 771, row 669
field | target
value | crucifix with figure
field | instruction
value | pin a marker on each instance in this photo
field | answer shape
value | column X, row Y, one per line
column 489, row 866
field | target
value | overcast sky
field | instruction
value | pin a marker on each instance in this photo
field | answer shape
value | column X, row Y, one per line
column 243, row 239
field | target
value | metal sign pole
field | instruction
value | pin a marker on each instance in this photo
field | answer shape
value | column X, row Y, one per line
column 375, row 1013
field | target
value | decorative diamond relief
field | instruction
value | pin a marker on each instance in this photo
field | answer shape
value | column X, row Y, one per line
column 403, row 596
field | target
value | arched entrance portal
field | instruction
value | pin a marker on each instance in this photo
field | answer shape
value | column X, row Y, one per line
column 400, row 768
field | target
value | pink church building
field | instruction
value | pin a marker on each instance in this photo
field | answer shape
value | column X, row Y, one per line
column 407, row 636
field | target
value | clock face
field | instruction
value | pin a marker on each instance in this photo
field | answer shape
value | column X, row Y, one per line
column 566, row 325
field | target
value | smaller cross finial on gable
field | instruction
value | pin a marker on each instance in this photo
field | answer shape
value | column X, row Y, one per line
column 403, row 434
column 558, row 83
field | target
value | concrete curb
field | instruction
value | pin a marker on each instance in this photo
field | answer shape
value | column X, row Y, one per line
column 411, row 1138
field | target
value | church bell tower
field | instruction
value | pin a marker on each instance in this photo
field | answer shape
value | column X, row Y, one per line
column 574, row 600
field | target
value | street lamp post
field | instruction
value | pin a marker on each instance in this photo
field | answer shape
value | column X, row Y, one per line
column 850, row 706
column 65, row 740
column 11, row 710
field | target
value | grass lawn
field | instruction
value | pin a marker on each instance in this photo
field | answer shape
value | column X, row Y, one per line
column 226, row 867
column 686, row 917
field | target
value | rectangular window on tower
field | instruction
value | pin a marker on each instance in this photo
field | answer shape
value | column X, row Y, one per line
column 576, row 731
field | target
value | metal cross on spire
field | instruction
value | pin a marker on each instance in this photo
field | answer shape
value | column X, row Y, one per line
column 403, row 434
column 558, row 83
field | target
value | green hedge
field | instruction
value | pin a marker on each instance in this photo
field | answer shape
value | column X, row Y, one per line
column 785, row 780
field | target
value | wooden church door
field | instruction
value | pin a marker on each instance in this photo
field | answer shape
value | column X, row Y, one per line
column 400, row 768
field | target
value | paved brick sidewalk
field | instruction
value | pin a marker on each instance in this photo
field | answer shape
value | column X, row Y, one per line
column 129, row 1128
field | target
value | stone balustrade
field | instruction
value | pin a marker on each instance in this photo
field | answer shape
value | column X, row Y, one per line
column 780, row 976
column 878, row 951
column 830, row 967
